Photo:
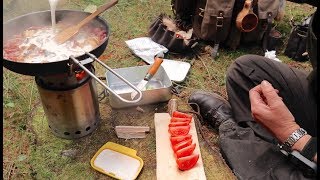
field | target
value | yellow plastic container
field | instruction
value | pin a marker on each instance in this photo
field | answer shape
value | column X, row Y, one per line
column 117, row 161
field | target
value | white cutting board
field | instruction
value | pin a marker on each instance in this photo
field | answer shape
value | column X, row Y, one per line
column 167, row 168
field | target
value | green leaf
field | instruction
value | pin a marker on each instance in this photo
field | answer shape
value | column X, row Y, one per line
column 10, row 104
column 22, row 157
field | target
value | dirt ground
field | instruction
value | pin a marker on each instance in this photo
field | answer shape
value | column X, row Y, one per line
column 31, row 151
column 71, row 157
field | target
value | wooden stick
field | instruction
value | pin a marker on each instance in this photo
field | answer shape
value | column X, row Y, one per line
column 131, row 135
column 128, row 129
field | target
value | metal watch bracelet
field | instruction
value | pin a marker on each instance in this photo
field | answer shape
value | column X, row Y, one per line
column 293, row 138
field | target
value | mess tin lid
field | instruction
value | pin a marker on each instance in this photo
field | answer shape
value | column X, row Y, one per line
column 117, row 161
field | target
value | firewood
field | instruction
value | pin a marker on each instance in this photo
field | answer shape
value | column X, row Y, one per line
column 129, row 132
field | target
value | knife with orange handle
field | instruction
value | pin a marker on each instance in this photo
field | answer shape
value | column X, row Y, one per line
column 151, row 72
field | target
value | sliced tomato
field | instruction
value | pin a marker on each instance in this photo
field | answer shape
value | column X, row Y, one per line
column 174, row 119
column 181, row 145
column 174, row 124
column 186, row 151
column 186, row 163
column 181, row 115
column 179, row 130
column 175, row 140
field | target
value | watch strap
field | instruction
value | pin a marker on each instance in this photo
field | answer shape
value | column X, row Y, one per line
column 293, row 138
column 310, row 149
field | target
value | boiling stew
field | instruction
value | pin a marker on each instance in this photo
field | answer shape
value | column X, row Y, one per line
column 37, row 45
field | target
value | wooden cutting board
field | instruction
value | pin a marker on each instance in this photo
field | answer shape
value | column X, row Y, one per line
column 167, row 168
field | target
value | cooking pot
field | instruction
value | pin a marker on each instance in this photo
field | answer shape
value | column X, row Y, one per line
column 82, row 62
column 43, row 18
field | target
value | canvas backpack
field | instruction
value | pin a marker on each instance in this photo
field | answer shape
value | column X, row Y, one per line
column 215, row 20
column 297, row 43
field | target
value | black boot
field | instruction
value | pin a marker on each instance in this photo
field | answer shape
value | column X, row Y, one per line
column 213, row 108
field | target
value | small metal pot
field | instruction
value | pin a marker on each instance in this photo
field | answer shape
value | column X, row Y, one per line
column 158, row 88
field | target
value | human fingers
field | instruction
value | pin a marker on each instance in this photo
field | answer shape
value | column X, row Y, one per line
column 255, row 95
column 264, row 98
column 258, row 105
column 269, row 92
column 277, row 91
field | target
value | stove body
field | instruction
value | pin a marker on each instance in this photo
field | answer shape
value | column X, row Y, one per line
column 70, row 103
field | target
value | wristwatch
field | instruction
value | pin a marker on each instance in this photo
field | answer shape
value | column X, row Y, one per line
column 292, row 139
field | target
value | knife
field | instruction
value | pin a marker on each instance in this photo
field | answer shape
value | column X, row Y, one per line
column 153, row 69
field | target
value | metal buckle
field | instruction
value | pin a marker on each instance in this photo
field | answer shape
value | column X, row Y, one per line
column 269, row 18
column 201, row 12
column 219, row 22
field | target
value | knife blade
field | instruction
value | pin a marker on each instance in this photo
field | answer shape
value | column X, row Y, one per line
column 153, row 69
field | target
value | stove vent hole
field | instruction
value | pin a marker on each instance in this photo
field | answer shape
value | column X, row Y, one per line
column 66, row 133
column 78, row 132
column 88, row 128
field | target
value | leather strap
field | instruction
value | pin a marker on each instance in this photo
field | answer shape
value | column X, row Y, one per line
column 266, row 35
column 310, row 149
column 219, row 25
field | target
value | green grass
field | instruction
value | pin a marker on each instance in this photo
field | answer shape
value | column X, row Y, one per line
column 32, row 151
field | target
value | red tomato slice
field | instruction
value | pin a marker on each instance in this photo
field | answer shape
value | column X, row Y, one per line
column 174, row 119
column 174, row 124
column 181, row 145
column 186, row 163
column 179, row 130
column 186, row 151
column 181, row 115
column 175, row 140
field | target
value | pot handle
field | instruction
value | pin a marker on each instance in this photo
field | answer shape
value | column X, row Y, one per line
column 103, row 84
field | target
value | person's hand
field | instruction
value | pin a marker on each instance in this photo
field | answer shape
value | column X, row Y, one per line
column 268, row 109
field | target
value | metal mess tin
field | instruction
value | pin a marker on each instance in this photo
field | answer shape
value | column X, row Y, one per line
column 157, row 90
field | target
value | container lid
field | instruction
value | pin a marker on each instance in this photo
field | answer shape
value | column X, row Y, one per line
column 117, row 161
column 146, row 49
column 176, row 70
